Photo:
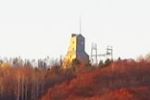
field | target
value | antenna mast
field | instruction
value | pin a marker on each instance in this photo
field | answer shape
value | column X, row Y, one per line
column 80, row 26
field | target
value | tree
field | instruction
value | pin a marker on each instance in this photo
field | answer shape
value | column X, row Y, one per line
column 107, row 62
column 101, row 63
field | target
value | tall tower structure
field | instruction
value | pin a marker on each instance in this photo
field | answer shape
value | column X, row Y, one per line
column 76, row 51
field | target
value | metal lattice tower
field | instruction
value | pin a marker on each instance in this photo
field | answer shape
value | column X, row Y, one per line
column 109, row 52
column 94, row 53
column 95, row 56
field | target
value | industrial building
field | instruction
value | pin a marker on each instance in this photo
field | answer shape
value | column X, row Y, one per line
column 76, row 51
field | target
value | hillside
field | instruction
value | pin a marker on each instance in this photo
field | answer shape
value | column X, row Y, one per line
column 121, row 80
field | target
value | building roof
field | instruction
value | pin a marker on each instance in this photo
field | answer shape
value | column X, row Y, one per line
column 73, row 34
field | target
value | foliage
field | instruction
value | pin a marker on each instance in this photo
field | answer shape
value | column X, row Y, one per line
column 120, row 80
column 27, row 83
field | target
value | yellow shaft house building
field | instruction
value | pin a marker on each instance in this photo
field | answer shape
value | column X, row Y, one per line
column 76, row 51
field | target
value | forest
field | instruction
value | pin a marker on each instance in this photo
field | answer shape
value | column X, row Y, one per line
column 125, row 79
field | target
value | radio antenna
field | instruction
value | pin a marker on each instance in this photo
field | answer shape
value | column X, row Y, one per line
column 80, row 25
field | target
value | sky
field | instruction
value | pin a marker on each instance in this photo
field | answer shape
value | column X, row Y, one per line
column 40, row 28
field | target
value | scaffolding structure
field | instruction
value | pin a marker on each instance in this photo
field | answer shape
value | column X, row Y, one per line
column 95, row 56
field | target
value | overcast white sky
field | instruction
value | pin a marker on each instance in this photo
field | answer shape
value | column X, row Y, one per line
column 39, row 28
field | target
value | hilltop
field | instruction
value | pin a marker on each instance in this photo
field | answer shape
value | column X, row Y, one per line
column 120, row 80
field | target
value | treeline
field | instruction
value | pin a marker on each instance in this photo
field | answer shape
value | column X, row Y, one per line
column 28, row 83
column 43, row 63
column 24, row 82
